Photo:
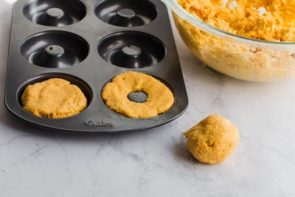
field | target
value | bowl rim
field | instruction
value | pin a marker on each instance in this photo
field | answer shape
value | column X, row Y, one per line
column 184, row 14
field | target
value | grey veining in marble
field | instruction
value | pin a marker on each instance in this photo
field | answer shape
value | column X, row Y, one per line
column 35, row 162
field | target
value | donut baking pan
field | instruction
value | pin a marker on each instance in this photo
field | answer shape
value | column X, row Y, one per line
column 88, row 43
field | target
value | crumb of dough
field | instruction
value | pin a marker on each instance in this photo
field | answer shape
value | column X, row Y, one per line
column 213, row 139
column 54, row 98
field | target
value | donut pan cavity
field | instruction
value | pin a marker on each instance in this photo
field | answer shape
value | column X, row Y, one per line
column 88, row 43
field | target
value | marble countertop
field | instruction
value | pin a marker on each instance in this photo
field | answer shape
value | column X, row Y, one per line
column 34, row 162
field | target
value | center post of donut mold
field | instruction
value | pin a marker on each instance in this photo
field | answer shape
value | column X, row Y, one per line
column 55, row 12
column 55, row 50
column 126, row 13
column 138, row 97
column 131, row 50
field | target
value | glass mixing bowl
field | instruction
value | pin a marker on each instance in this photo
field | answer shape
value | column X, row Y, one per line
column 233, row 55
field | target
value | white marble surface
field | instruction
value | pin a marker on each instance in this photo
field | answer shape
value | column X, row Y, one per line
column 155, row 163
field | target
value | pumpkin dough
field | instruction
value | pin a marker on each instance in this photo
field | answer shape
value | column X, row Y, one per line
column 271, row 20
column 159, row 97
column 54, row 98
column 213, row 139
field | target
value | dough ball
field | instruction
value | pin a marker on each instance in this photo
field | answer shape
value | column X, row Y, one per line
column 213, row 139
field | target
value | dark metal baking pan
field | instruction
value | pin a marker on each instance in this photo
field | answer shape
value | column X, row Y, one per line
column 89, row 43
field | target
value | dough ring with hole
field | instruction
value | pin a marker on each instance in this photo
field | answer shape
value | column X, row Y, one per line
column 54, row 98
column 159, row 96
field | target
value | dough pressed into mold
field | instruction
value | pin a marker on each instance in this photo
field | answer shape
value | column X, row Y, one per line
column 54, row 98
column 159, row 96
